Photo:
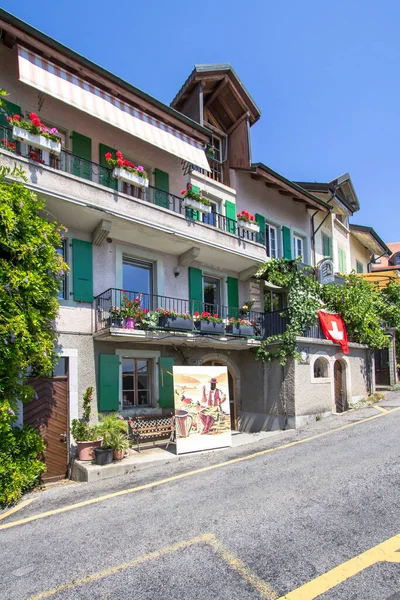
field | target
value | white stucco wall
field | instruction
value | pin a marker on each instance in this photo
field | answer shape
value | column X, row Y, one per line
column 359, row 253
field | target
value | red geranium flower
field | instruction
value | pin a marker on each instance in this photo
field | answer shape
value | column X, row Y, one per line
column 36, row 122
column 120, row 162
column 183, row 192
column 9, row 118
column 16, row 117
column 33, row 115
column 108, row 156
column 196, row 314
column 216, row 316
column 119, row 155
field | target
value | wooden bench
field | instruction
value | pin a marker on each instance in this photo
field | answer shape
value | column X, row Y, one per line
column 150, row 427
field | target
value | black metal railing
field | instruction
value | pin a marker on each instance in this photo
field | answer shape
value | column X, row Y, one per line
column 276, row 323
column 68, row 162
column 108, row 311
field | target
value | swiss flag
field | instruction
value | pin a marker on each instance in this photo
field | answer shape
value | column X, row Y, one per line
column 334, row 329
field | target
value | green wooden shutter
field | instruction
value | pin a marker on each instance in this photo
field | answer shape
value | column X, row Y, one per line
column 166, row 382
column 106, row 177
column 342, row 261
column 8, row 109
column 233, row 297
column 82, row 270
column 326, row 246
column 360, row 268
column 162, row 183
column 230, row 213
column 194, row 214
column 81, row 147
column 108, row 387
column 195, row 289
column 287, row 248
column 260, row 220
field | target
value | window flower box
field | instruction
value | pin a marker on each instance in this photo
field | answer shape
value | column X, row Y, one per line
column 115, row 321
column 253, row 227
column 129, row 177
column 199, row 206
column 36, row 140
column 178, row 322
column 242, row 330
column 210, row 327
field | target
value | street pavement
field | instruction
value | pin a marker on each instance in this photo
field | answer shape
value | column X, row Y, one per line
column 293, row 508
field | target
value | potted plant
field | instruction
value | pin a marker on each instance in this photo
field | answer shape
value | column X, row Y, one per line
column 126, row 171
column 208, row 323
column 240, row 327
column 109, row 427
column 134, row 315
column 84, row 434
column 116, row 317
column 195, row 200
column 120, row 445
column 35, row 133
column 170, row 319
column 246, row 222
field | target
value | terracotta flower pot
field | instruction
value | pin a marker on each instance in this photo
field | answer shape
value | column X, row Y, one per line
column 118, row 454
column 86, row 449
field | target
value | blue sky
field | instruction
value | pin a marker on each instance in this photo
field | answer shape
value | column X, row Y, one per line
column 324, row 74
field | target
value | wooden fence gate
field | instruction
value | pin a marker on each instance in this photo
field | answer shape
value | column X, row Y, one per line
column 49, row 415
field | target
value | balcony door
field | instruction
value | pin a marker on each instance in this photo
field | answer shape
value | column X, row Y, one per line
column 137, row 277
column 211, row 294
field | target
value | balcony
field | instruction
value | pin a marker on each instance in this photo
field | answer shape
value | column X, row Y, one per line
column 153, row 325
column 275, row 323
column 68, row 179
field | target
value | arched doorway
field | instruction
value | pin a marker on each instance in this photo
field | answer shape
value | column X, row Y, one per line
column 339, row 371
column 232, row 391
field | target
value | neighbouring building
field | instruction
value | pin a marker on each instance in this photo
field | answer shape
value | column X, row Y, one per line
column 135, row 240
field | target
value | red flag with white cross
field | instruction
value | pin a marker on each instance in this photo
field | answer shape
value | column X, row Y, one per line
column 334, row 329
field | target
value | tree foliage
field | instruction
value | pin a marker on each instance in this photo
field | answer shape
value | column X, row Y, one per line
column 30, row 272
column 365, row 308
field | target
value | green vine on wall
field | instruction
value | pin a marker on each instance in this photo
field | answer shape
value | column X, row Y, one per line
column 366, row 309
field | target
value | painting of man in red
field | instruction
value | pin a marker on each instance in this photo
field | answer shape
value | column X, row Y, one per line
column 212, row 400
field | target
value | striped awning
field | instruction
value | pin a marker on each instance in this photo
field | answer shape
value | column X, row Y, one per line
column 51, row 79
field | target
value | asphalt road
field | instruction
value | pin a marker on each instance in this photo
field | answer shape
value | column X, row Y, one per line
column 257, row 528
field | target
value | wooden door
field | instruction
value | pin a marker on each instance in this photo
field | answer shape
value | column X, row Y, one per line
column 232, row 394
column 340, row 396
column 382, row 374
column 49, row 415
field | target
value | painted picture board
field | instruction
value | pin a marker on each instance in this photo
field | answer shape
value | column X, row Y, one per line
column 202, row 410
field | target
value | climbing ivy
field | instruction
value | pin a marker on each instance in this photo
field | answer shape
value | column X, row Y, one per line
column 365, row 308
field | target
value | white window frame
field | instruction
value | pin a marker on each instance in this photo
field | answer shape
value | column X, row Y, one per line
column 276, row 229
column 147, row 354
column 297, row 238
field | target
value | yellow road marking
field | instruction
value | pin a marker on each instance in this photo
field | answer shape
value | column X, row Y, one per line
column 384, row 552
column 6, row 514
column 384, row 410
column 154, row 484
column 258, row 584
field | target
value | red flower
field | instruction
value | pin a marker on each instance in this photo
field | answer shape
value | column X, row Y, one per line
column 146, row 310
column 251, row 218
column 196, row 314
column 33, row 115
column 16, row 117
column 36, row 122
column 216, row 316
column 9, row 118
column 108, row 156
column 183, row 192
column 123, row 291
column 120, row 162
column 189, row 186
column 119, row 155
column 11, row 145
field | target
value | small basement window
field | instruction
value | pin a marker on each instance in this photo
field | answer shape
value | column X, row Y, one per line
column 321, row 368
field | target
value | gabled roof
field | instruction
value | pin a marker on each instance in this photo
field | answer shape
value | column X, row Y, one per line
column 285, row 187
column 343, row 189
column 368, row 237
column 223, row 91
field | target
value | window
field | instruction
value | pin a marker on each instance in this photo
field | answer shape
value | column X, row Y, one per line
column 274, row 301
column 211, row 293
column 137, row 276
column 342, row 261
column 321, row 368
column 61, row 367
column 136, row 382
column 216, row 160
column 271, row 237
column 211, row 218
column 397, row 259
column 62, row 251
column 298, row 244
column 326, row 246
column 359, row 267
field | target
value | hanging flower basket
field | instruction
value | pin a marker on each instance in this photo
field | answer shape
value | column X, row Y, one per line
column 199, row 206
column 129, row 177
column 36, row 140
